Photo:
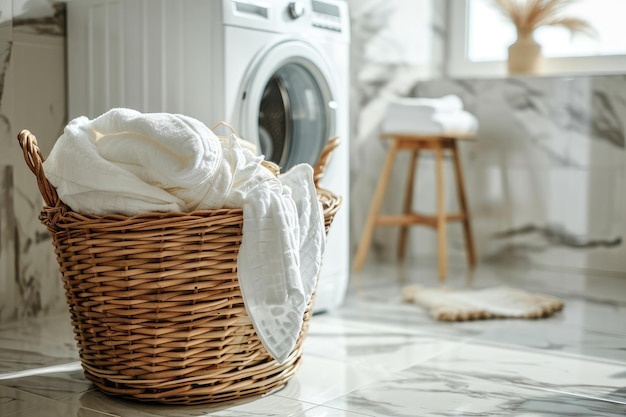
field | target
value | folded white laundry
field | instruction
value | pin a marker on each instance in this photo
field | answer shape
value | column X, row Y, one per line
column 132, row 163
column 450, row 102
column 424, row 116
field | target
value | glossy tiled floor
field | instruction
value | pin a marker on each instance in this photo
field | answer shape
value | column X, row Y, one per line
column 378, row 357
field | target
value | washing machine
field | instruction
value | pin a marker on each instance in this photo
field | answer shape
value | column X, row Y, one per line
column 276, row 70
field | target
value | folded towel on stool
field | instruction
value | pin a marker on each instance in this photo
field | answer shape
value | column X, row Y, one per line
column 449, row 103
column 446, row 304
column 429, row 116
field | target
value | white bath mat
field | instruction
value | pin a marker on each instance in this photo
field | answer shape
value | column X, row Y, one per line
column 446, row 304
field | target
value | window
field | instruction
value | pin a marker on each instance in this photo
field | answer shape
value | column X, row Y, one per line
column 480, row 36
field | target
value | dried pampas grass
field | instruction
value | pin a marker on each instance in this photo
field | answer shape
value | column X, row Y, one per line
column 528, row 15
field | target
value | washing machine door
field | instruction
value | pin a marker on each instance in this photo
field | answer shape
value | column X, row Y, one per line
column 287, row 106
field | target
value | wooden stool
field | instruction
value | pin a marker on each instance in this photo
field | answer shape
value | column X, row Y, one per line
column 416, row 144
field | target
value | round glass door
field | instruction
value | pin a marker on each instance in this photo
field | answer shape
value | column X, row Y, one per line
column 289, row 112
column 292, row 121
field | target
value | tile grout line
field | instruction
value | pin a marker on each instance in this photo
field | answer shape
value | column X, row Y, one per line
column 572, row 394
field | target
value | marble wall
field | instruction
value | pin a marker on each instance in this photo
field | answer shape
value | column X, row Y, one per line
column 395, row 43
column 545, row 177
column 32, row 96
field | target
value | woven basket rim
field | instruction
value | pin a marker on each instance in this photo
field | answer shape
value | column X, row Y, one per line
column 64, row 216
column 325, row 196
column 147, row 216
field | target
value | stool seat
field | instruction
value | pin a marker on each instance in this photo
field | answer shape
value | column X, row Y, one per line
column 426, row 137
column 416, row 143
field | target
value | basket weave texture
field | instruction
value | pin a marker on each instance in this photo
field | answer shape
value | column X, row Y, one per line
column 155, row 302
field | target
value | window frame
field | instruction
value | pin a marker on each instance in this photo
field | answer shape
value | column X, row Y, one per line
column 459, row 66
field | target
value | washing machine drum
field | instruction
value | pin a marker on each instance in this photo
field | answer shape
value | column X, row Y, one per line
column 288, row 107
column 293, row 121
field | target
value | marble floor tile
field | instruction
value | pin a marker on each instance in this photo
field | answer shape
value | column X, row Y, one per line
column 505, row 365
column 56, row 385
column 12, row 400
column 17, row 360
column 321, row 411
column 398, row 316
column 60, row 409
column 583, row 341
column 271, row 405
column 589, row 299
column 379, row 356
column 19, row 403
column 581, row 328
column 36, row 343
column 319, row 379
column 422, row 391
column 372, row 346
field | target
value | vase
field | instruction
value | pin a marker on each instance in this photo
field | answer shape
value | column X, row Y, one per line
column 525, row 56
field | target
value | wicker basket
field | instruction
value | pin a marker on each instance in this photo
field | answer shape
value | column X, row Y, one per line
column 155, row 302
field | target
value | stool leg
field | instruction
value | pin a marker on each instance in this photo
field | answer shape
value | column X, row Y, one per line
column 408, row 200
column 460, row 186
column 366, row 238
column 441, row 214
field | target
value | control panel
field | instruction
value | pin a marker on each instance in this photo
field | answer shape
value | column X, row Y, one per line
column 326, row 16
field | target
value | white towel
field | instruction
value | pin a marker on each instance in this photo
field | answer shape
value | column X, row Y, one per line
column 132, row 163
column 448, row 103
column 275, row 303
column 429, row 116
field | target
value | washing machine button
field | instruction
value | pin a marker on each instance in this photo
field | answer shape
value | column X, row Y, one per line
column 296, row 9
